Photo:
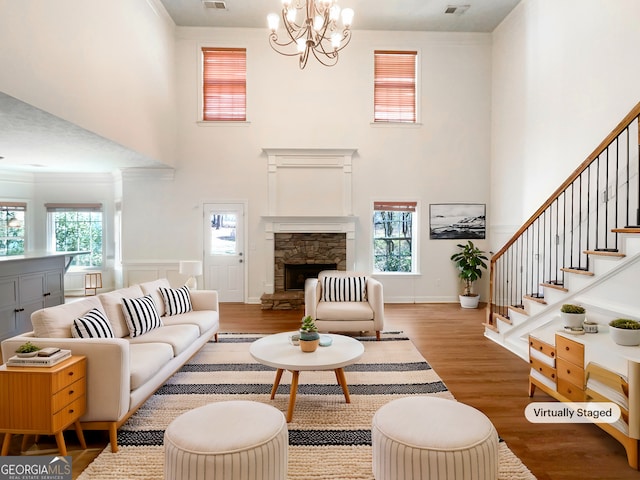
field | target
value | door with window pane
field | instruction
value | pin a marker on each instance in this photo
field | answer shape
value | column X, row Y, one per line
column 224, row 250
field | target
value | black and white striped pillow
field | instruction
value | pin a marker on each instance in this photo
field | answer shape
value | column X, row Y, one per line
column 176, row 301
column 141, row 315
column 344, row 289
column 93, row 324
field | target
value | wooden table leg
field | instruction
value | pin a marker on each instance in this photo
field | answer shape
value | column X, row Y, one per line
column 292, row 394
column 342, row 381
column 5, row 444
column 276, row 382
column 61, row 445
column 80, row 434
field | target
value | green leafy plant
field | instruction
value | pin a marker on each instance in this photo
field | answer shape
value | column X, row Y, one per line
column 569, row 308
column 308, row 325
column 625, row 323
column 27, row 348
column 470, row 262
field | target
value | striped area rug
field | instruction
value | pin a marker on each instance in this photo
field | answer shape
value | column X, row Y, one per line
column 328, row 438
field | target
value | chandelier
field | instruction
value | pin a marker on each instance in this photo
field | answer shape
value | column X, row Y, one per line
column 315, row 30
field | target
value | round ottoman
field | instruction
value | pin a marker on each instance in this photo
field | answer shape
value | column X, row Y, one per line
column 433, row 438
column 227, row 440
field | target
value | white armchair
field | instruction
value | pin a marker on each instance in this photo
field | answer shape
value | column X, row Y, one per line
column 343, row 301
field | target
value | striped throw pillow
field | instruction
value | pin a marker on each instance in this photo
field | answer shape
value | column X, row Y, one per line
column 176, row 301
column 93, row 324
column 344, row 289
column 141, row 315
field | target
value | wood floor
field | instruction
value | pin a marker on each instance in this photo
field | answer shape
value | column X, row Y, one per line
column 477, row 372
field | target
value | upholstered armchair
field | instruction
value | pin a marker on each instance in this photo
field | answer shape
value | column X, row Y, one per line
column 343, row 301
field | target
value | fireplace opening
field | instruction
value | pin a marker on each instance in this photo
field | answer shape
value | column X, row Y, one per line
column 296, row 274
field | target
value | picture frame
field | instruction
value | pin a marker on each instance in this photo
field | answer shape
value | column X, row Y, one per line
column 459, row 221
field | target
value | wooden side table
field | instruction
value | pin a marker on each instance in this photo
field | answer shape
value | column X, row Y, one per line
column 43, row 400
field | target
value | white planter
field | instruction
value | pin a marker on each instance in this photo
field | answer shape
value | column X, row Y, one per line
column 469, row 301
column 573, row 320
column 624, row 336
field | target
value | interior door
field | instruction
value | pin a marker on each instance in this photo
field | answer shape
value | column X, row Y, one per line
column 224, row 250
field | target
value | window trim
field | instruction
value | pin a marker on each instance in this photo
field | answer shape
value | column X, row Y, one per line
column 416, row 77
column 201, row 87
column 415, row 235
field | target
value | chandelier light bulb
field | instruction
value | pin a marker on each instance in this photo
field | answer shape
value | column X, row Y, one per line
column 318, row 32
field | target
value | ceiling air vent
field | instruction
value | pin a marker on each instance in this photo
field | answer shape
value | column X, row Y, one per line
column 457, row 9
column 216, row 5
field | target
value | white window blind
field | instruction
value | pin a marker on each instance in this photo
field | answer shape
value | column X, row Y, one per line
column 395, row 86
column 224, row 84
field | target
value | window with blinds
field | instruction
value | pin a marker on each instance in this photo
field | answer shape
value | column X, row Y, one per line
column 394, row 233
column 395, row 97
column 224, row 84
column 12, row 231
column 76, row 227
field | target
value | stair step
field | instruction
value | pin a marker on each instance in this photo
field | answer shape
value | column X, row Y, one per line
column 520, row 309
column 502, row 318
column 491, row 327
column 555, row 286
column 605, row 253
column 626, row 230
column 536, row 299
column 578, row 271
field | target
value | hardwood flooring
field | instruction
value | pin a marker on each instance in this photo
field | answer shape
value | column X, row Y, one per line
column 476, row 370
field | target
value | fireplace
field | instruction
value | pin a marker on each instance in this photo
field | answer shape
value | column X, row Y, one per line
column 295, row 274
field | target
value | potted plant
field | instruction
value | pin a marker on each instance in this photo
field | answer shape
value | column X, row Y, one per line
column 469, row 261
column 625, row 331
column 27, row 350
column 309, row 336
column 572, row 315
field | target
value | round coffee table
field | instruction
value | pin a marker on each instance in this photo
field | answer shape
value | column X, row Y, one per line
column 276, row 351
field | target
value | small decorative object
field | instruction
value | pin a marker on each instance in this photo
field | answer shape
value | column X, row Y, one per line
column 294, row 339
column 325, row 340
column 27, row 350
column 572, row 315
column 625, row 331
column 590, row 327
column 309, row 336
column 469, row 261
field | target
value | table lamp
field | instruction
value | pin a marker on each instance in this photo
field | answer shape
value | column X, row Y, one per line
column 191, row 268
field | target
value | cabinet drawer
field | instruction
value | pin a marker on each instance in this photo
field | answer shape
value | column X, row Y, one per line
column 571, row 373
column 67, row 375
column 542, row 347
column 569, row 390
column 68, row 414
column 571, row 351
column 68, row 395
column 544, row 369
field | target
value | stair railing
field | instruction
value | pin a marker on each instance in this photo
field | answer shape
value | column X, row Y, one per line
column 601, row 195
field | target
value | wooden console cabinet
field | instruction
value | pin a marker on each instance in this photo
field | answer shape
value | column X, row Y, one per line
column 590, row 367
column 43, row 400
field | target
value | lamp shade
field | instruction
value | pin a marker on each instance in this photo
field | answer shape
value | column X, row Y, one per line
column 192, row 268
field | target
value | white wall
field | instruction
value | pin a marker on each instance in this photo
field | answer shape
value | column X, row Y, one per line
column 564, row 74
column 106, row 66
column 445, row 159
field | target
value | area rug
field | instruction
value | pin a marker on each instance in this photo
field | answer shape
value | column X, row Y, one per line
column 328, row 438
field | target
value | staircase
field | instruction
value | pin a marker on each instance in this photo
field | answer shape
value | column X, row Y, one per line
column 581, row 246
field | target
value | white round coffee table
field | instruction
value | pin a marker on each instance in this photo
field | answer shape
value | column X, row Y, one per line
column 276, row 351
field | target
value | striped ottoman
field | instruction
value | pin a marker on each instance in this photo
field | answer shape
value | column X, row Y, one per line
column 227, row 440
column 433, row 438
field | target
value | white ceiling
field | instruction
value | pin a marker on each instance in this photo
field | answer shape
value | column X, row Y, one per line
column 32, row 140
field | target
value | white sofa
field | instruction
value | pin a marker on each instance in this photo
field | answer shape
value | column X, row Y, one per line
column 356, row 303
column 122, row 372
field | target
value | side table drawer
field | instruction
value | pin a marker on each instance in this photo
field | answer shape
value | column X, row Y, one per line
column 542, row 347
column 571, row 373
column 68, row 394
column 570, row 350
column 569, row 390
column 544, row 369
column 68, row 414
column 67, row 375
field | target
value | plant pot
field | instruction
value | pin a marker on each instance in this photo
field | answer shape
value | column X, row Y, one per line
column 624, row 336
column 469, row 301
column 309, row 345
column 573, row 320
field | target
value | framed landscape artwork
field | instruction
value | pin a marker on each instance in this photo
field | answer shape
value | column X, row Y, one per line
column 457, row 221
